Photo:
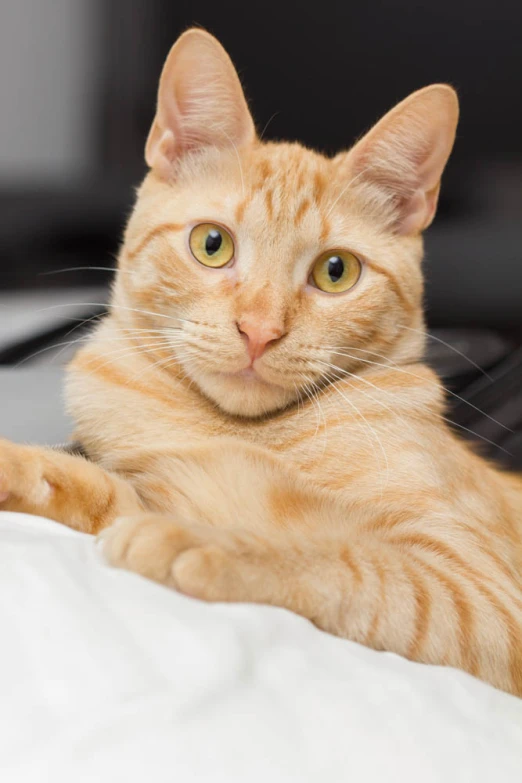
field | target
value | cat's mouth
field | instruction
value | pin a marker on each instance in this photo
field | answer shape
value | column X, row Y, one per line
column 249, row 373
column 249, row 391
column 249, row 376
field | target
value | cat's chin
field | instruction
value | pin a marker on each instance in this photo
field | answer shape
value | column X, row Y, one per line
column 244, row 393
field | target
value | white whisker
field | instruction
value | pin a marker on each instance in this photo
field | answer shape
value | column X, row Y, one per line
column 238, row 162
column 402, row 370
column 343, row 191
column 437, row 415
column 431, row 336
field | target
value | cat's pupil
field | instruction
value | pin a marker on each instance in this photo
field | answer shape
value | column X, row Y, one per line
column 335, row 268
column 213, row 242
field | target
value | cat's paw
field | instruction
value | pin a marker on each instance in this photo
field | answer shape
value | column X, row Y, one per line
column 214, row 565
column 147, row 544
column 22, row 479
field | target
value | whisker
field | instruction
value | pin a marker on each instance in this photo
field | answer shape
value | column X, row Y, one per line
column 115, row 356
column 440, row 416
column 360, row 378
column 359, row 350
column 85, row 321
column 166, row 363
column 403, row 371
column 67, row 343
column 477, row 435
column 343, row 191
column 114, row 307
column 374, row 435
column 262, row 134
column 49, row 348
column 451, row 347
column 316, row 391
column 238, row 162
column 297, row 397
column 78, row 269
column 368, row 425
column 134, row 350
column 312, row 401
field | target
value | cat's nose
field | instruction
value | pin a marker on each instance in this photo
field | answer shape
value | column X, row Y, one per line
column 258, row 335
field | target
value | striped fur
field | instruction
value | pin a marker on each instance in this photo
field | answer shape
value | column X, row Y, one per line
column 326, row 481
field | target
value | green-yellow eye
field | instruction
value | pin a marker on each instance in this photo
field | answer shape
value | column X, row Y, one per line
column 336, row 271
column 211, row 245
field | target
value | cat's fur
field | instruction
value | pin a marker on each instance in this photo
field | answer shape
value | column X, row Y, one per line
column 324, row 480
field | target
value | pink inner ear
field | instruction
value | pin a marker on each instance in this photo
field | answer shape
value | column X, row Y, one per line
column 415, row 214
column 160, row 151
column 200, row 103
column 404, row 156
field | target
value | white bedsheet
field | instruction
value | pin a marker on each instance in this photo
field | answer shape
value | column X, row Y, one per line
column 107, row 677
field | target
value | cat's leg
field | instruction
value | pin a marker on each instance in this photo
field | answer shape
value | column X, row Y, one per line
column 243, row 527
column 62, row 487
column 405, row 598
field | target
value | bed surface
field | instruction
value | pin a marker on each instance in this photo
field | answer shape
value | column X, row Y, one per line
column 108, row 677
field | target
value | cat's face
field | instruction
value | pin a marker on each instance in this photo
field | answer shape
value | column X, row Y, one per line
column 271, row 270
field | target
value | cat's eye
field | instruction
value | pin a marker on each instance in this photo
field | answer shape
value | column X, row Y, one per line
column 211, row 245
column 336, row 271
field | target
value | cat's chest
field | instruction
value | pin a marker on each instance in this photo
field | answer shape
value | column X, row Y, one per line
column 318, row 441
column 311, row 438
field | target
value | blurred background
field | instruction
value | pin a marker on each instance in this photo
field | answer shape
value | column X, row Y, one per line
column 77, row 89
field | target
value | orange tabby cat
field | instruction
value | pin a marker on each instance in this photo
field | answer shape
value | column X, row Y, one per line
column 255, row 406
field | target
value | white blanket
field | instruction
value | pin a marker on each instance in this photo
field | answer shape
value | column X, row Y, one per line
column 106, row 677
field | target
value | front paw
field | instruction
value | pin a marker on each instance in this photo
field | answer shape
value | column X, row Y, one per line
column 205, row 563
column 23, row 485
column 148, row 544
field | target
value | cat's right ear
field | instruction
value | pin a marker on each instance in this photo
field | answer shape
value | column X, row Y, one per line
column 402, row 158
column 200, row 103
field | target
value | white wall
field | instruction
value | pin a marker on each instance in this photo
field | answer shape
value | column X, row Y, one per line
column 48, row 60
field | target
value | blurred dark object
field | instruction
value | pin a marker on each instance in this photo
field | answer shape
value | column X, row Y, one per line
column 473, row 272
column 44, row 230
column 42, row 340
column 482, row 371
column 323, row 76
column 324, row 73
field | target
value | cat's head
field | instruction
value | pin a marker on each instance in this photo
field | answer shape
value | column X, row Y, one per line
column 268, row 269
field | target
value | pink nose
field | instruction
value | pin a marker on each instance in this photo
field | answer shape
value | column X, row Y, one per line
column 258, row 335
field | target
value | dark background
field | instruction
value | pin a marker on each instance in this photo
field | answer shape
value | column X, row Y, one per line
column 318, row 72
column 78, row 81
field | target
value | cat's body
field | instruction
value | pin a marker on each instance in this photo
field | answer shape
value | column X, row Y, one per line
column 289, row 436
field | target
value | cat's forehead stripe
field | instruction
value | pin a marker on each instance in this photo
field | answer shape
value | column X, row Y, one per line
column 264, row 171
column 319, row 186
column 289, row 185
column 269, row 203
column 163, row 228
column 325, row 228
column 240, row 210
column 302, row 209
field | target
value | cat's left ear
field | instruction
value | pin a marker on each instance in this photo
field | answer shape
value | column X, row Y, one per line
column 200, row 103
column 402, row 157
